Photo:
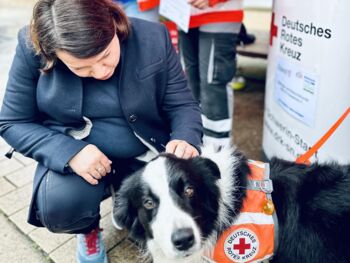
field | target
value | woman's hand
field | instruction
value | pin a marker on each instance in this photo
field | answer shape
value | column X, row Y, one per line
column 200, row 4
column 91, row 164
column 181, row 149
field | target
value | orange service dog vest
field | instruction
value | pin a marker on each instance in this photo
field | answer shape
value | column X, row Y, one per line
column 251, row 238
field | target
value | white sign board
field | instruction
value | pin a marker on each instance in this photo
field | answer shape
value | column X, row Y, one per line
column 178, row 11
column 307, row 82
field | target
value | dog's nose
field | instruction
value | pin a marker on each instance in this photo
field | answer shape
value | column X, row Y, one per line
column 183, row 238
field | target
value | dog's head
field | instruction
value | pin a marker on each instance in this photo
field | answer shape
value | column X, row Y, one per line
column 172, row 204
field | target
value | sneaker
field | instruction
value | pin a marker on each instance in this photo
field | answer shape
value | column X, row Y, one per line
column 244, row 38
column 237, row 83
column 90, row 248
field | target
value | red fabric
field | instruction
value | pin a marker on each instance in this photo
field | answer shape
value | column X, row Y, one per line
column 214, row 2
column 147, row 4
column 91, row 240
column 174, row 34
column 216, row 17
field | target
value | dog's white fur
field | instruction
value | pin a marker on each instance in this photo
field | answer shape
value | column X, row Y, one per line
column 227, row 164
column 171, row 217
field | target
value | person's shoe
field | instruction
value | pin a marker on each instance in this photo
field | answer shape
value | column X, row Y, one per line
column 244, row 38
column 237, row 83
column 90, row 248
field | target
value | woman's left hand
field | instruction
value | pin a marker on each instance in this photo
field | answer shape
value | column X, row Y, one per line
column 181, row 149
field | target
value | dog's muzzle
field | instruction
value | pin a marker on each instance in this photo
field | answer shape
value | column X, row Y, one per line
column 183, row 239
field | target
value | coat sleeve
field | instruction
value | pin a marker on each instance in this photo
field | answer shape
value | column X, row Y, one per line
column 181, row 109
column 19, row 117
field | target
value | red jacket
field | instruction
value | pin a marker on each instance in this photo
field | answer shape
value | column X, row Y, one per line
column 147, row 4
column 218, row 11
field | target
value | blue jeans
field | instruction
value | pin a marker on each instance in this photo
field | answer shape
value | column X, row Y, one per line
column 66, row 203
column 210, row 63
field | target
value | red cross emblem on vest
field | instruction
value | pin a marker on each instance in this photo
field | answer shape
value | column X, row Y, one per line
column 241, row 246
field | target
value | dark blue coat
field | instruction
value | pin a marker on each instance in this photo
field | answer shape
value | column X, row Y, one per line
column 39, row 109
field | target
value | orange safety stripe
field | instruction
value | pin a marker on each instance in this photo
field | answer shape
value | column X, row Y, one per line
column 305, row 158
column 147, row 4
column 216, row 17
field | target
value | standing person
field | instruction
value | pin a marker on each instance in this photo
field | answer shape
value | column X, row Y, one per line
column 90, row 95
column 209, row 53
column 143, row 9
column 148, row 10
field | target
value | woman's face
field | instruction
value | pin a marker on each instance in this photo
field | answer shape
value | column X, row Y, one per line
column 100, row 67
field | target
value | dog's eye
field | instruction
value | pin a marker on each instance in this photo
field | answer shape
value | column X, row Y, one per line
column 149, row 204
column 189, row 191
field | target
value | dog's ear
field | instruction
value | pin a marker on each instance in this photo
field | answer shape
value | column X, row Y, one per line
column 207, row 166
column 124, row 214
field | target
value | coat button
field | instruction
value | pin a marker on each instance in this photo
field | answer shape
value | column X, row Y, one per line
column 132, row 118
column 153, row 140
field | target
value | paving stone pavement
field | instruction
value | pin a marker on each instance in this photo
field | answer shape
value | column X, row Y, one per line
column 21, row 242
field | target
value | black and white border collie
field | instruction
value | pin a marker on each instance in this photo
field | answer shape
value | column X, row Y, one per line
column 177, row 208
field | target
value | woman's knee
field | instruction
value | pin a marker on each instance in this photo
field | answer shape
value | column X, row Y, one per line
column 66, row 203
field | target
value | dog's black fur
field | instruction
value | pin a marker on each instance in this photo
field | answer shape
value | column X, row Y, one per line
column 313, row 209
column 312, row 204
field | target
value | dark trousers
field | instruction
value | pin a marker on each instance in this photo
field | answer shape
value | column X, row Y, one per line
column 66, row 203
column 210, row 63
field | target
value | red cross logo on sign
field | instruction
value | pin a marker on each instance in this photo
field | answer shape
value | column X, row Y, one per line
column 273, row 29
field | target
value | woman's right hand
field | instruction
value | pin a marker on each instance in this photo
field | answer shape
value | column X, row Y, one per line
column 91, row 164
column 200, row 4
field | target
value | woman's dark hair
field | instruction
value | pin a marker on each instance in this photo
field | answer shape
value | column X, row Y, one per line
column 83, row 28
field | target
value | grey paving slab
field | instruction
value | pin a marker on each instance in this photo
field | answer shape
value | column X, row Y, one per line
column 15, row 247
column 5, row 186
column 47, row 240
column 126, row 252
column 106, row 207
column 20, row 220
column 65, row 253
column 22, row 159
column 111, row 235
column 2, row 142
column 22, row 176
column 16, row 200
column 9, row 165
column 3, row 149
